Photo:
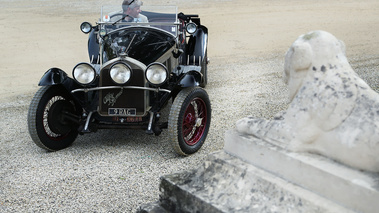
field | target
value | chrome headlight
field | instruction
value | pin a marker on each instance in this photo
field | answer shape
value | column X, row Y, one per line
column 84, row 73
column 86, row 27
column 191, row 28
column 156, row 74
column 120, row 73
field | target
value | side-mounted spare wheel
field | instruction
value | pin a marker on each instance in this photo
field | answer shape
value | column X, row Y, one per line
column 48, row 118
column 189, row 120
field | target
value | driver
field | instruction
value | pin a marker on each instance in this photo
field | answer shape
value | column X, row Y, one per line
column 132, row 8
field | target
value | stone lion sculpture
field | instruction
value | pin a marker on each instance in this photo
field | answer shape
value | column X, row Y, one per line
column 332, row 112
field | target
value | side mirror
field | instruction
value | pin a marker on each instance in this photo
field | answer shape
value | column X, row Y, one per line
column 86, row 27
column 191, row 28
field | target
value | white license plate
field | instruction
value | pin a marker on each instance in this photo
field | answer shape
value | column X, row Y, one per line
column 122, row 111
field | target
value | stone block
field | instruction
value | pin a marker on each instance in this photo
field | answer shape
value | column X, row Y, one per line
column 348, row 187
column 225, row 183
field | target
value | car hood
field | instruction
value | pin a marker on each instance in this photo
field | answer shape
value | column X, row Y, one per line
column 145, row 44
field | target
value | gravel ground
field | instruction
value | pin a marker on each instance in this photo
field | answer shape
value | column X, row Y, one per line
column 119, row 170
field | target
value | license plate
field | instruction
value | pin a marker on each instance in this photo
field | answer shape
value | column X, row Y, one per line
column 122, row 111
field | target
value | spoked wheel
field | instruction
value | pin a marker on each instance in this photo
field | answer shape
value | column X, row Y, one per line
column 49, row 121
column 189, row 120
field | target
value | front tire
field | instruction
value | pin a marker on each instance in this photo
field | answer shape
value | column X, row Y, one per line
column 189, row 120
column 48, row 127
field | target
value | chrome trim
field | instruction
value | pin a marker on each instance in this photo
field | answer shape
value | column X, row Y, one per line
column 149, row 127
column 148, row 26
column 133, row 24
column 133, row 63
column 87, row 122
column 121, row 87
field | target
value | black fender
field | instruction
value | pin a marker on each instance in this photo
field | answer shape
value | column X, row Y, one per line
column 55, row 76
column 197, row 46
column 190, row 79
column 52, row 77
column 93, row 47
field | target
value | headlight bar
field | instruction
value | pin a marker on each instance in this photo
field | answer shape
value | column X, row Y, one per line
column 120, row 87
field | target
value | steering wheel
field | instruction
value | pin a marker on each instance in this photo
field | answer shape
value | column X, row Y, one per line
column 118, row 14
column 122, row 19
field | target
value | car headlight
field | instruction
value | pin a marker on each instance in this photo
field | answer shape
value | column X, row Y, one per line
column 84, row 73
column 86, row 27
column 156, row 74
column 191, row 28
column 120, row 73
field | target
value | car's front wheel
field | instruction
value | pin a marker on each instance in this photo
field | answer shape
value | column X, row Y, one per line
column 189, row 120
column 48, row 123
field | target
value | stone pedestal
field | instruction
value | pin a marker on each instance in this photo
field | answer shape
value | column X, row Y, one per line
column 253, row 176
column 353, row 189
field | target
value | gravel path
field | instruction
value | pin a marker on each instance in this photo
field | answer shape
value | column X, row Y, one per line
column 119, row 170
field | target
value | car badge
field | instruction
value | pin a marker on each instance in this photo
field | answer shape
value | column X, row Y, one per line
column 111, row 99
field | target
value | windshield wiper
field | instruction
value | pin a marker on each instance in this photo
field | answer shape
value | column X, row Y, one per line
column 123, row 16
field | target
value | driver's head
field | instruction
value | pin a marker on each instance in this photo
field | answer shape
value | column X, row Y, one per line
column 132, row 7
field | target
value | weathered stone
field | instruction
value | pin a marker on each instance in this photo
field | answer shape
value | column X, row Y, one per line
column 271, row 165
column 225, row 183
column 332, row 112
column 354, row 189
column 152, row 208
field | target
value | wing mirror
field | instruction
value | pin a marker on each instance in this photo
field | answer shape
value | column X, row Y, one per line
column 86, row 27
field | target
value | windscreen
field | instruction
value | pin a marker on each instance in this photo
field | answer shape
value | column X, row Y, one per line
column 162, row 17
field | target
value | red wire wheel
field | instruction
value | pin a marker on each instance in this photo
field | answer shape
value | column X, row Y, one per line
column 194, row 122
column 189, row 120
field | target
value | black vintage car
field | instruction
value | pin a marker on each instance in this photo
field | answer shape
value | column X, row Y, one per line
column 135, row 71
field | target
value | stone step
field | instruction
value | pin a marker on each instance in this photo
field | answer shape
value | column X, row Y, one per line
column 351, row 188
column 225, row 183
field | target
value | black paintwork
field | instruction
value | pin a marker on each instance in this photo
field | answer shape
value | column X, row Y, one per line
column 141, row 43
column 146, row 45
